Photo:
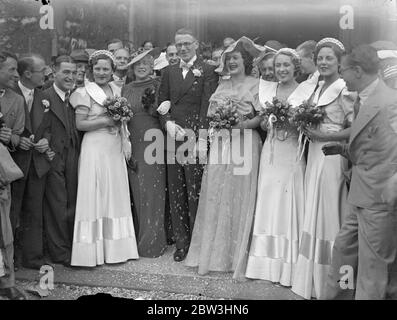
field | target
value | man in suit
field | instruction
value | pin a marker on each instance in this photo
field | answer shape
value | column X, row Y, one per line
column 12, row 118
column 61, row 187
column 367, row 241
column 188, row 86
column 32, row 157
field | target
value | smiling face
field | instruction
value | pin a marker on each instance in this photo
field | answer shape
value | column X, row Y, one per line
column 327, row 62
column 102, row 71
column 172, row 55
column 266, row 69
column 284, row 68
column 143, row 68
column 65, row 76
column 186, row 46
column 235, row 63
column 8, row 73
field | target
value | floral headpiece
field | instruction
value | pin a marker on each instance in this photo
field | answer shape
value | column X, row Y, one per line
column 333, row 41
column 102, row 52
column 293, row 52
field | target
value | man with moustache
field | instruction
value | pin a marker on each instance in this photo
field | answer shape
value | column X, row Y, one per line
column 61, row 187
column 12, row 118
column 171, row 54
column 32, row 156
column 183, row 99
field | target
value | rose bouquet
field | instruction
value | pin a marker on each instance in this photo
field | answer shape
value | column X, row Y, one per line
column 277, row 114
column 307, row 115
column 225, row 115
column 120, row 111
column 304, row 116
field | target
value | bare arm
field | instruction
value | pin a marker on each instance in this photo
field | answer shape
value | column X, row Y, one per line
column 83, row 124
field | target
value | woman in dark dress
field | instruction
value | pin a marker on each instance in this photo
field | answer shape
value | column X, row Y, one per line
column 147, row 179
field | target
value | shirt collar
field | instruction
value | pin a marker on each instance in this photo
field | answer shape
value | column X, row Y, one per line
column 364, row 95
column 26, row 91
column 59, row 92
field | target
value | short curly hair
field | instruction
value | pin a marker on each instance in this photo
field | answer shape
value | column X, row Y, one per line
column 247, row 58
column 93, row 61
column 294, row 58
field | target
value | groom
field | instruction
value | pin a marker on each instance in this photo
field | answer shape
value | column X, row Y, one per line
column 187, row 87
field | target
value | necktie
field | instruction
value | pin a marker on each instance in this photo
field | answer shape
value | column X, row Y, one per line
column 356, row 107
column 29, row 100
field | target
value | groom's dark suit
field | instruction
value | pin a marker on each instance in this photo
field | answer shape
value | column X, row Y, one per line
column 189, row 105
column 61, row 188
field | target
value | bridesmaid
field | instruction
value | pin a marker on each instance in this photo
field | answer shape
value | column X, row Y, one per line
column 280, row 204
column 147, row 181
column 227, row 200
column 325, row 185
column 103, row 228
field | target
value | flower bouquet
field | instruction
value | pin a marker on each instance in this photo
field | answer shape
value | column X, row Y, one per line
column 277, row 114
column 306, row 115
column 120, row 111
column 225, row 115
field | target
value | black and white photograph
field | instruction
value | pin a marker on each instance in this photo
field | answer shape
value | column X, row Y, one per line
column 210, row 151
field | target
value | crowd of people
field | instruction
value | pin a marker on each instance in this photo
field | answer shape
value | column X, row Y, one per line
column 69, row 194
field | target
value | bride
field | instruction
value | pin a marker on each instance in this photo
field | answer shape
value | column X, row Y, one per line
column 103, row 228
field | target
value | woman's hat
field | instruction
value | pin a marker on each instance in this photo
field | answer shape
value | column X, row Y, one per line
column 155, row 52
column 253, row 49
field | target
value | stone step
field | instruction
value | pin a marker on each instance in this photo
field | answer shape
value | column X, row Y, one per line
column 164, row 274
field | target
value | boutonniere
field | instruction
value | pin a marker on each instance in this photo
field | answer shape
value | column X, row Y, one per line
column 46, row 105
column 198, row 71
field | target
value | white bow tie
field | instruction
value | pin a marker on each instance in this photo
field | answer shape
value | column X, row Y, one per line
column 185, row 65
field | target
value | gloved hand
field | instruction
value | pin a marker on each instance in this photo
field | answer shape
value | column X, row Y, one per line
column 164, row 107
column 175, row 130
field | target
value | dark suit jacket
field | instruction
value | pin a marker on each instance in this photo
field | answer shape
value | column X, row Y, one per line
column 189, row 96
column 57, row 125
column 33, row 126
column 12, row 108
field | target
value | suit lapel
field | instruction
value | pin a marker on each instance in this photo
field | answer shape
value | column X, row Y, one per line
column 6, row 103
column 367, row 112
column 186, row 83
column 28, row 121
column 57, row 106
column 37, row 111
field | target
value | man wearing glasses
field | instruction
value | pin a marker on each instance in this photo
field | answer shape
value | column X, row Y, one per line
column 31, row 157
column 183, row 96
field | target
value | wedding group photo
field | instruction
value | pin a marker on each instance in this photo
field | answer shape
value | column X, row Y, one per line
column 186, row 149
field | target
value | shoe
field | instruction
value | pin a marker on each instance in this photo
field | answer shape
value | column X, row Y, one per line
column 180, row 254
column 12, row 294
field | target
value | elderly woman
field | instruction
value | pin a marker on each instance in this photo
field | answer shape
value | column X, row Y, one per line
column 103, row 229
column 147, row 179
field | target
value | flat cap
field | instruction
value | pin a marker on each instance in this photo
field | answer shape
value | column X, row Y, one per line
column 79, row 55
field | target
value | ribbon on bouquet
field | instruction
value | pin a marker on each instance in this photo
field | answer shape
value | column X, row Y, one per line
column 301, row 145
column 125, row 140
column 272, row 133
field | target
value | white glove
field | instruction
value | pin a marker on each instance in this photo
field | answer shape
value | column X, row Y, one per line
column 175, row 130
column 164, row 107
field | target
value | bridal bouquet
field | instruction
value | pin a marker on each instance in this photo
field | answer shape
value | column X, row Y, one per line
column 120, row 111
column 225, row 115
column 277, row 114
column 307, row 115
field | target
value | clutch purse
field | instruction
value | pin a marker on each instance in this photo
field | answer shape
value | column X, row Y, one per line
column 9, row 171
